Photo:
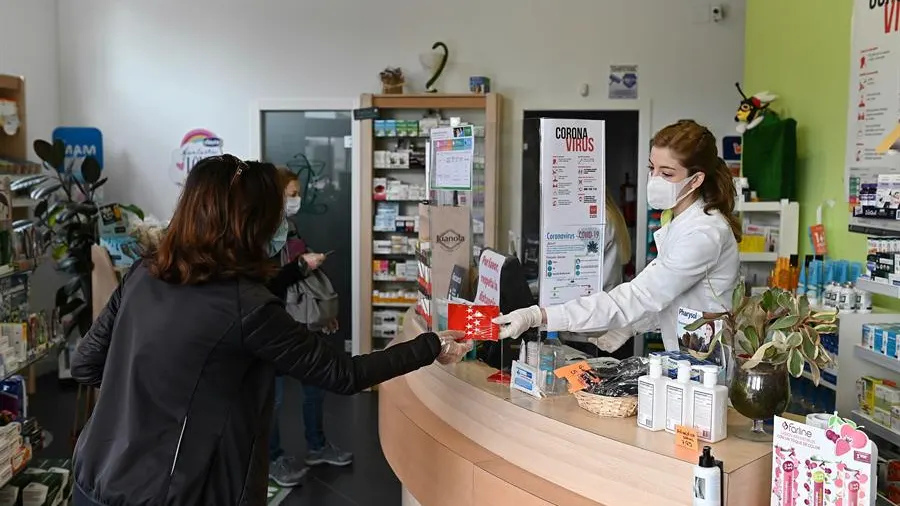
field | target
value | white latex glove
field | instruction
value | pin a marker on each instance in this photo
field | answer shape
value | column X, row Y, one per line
column 515, row 324
column 453, row 350
column 612, row 340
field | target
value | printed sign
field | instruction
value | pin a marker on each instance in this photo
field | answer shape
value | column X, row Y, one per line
column 525, row 379
column 80, row 142
column 195, row 146
column 623, row 81
column 686, row 437
column 489, row 266
column 573, row 169
column 575, row 375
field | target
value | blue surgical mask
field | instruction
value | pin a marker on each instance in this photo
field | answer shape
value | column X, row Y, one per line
column 279, row 239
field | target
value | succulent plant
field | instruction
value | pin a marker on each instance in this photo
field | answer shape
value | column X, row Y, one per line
column 775, row 326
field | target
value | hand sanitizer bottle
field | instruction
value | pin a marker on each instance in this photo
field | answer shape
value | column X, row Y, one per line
column 709, row 406
column 678, row 398
column 707, row 480
column 652, row 397
column 552, row 357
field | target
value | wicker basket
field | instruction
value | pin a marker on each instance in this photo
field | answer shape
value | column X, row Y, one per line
column 608, row 407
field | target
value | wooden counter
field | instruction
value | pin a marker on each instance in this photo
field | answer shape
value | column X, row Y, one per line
column 455, row 439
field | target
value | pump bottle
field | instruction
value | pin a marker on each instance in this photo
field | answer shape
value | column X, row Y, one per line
column 707, row 480
column 678, row 398
column 652, row 397
column 709, row 406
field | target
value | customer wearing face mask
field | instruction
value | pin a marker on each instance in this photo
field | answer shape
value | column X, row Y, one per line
column 697, row 266
column 286, row 470
column 186, row 350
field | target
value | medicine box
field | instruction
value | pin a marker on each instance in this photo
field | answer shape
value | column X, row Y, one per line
column 865, row 393
column 868, row 335
column 669, row 361
column 895, row 418
column 886, row 397
column 882, row 417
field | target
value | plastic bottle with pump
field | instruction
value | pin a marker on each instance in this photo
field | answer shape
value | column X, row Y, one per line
column 678, row 398
column 652, row 397
column 552, row 358
column 707, row 487
column 709, row 406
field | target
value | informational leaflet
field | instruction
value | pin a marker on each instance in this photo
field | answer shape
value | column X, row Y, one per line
column 453, row 154
column 573, row 220
column 489, row 266
column 873, row 115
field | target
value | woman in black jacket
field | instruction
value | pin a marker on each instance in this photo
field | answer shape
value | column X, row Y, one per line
column 186, row 349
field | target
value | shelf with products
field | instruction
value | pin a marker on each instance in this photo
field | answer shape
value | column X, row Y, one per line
column 394, row 149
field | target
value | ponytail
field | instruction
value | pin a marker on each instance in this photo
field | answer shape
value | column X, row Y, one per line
column 719, row 194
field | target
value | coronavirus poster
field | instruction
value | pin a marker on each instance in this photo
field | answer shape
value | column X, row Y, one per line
column 573, row 218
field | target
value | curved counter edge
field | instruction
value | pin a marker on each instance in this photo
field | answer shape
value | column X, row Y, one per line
column 453, row 443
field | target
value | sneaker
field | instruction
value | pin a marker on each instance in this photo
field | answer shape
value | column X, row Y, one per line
column 286, row 473
column 329, row 454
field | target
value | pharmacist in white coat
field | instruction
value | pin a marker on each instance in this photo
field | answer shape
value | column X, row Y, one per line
column 697, row 266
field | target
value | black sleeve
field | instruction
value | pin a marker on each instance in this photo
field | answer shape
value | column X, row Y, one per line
column 271, row 334
column 89, row 358
column 290, row 274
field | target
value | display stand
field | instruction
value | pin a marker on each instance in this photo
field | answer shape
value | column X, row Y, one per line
column 393, row 180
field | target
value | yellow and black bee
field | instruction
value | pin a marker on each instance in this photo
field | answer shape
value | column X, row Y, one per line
column 752, row 109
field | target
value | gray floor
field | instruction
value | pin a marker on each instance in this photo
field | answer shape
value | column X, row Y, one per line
column 350, row 422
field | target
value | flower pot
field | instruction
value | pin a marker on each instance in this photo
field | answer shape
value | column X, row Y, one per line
column 759, row 394
column 392, row 89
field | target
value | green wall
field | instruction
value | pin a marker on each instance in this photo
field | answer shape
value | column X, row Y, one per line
column 799, row 50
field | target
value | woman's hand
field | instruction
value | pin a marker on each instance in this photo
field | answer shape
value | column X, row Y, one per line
column 313, row 260
column 515, row 324
column 452, row 349
column 332, row 327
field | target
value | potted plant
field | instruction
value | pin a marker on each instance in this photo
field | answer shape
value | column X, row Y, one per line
column 770, row 336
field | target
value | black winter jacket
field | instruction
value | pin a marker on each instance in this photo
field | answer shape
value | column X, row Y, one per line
column 186, row 391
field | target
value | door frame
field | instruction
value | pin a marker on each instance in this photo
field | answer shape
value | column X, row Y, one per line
column 324, row 104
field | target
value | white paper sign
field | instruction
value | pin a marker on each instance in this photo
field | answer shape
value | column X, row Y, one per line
column 453, row 152
column 573, row 174
column 489, row 266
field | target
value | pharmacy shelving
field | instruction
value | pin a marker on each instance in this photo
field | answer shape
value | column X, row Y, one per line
column 409, row 168
column 822, row 383
column 878, row 287
column 785, row 214
column 874, row 428
column 759, row 257
column 879, row 359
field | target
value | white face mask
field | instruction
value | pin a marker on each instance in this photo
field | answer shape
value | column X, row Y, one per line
column 663, row 195
column 292, row 205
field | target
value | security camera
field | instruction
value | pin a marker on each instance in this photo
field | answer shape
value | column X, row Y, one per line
column 718, row 13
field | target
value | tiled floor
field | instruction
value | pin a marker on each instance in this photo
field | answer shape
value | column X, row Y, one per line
column 350, row 422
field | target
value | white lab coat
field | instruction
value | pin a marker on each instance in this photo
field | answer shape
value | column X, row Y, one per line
column 697, row 268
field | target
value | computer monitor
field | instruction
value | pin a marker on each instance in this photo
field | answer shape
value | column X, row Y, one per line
column 514, row 294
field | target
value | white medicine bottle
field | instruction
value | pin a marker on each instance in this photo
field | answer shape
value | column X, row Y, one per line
column 709, row 406
column 678, row 398
column 652, row 397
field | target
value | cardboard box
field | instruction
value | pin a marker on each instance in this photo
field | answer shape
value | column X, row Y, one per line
column 886, row 397
column 865, row 393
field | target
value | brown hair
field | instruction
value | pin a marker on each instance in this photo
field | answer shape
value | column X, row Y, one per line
column 620, row 229
column 286, row 176
column 227, row 214
column 694, row 146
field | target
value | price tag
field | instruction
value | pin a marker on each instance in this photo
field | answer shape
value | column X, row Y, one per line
column 574, row 374
column 686, row 437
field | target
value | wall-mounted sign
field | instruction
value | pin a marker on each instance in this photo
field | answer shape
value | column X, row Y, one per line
column 195, row 146
column 623, row 81
column 80, row 142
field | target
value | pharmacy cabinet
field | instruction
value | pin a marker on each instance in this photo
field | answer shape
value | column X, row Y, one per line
column 394, row 181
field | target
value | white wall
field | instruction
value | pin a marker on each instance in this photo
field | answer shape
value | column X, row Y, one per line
column 147, row 72
column 29, row 47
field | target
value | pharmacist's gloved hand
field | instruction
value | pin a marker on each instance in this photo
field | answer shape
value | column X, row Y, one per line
column 452, row 348
column 515, row 324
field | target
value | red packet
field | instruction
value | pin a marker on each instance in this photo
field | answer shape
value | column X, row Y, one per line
column 295, row 247
column 475, row 321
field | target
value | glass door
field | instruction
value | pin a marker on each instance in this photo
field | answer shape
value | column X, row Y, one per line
column 317, row 146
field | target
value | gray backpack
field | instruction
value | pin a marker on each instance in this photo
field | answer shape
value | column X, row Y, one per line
column 313, row 301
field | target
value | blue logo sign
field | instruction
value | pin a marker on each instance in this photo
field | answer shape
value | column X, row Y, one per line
column 80, row 142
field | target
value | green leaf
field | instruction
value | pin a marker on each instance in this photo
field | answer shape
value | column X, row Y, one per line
column 769, row 300
column 803, row 307
column 826, row 328
column 48, row 154
column 808, row 345
column 699, row 322
column 40, row 209
column 786, row 300
column 814, row 372
column 737, row 296
column 794, row 339
column 716, row 340
column 753, row 337
column 785, row 322
column 758, row 357
column 825, row 316
column 137, row 211
column 795, row 363
column 90, row 170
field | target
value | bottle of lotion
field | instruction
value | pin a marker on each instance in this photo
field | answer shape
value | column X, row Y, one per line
column 709, row 406
column 678, row 397
column 652, row 397
column 707, row 480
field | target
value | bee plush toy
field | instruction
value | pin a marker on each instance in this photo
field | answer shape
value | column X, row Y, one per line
column 752, row 109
